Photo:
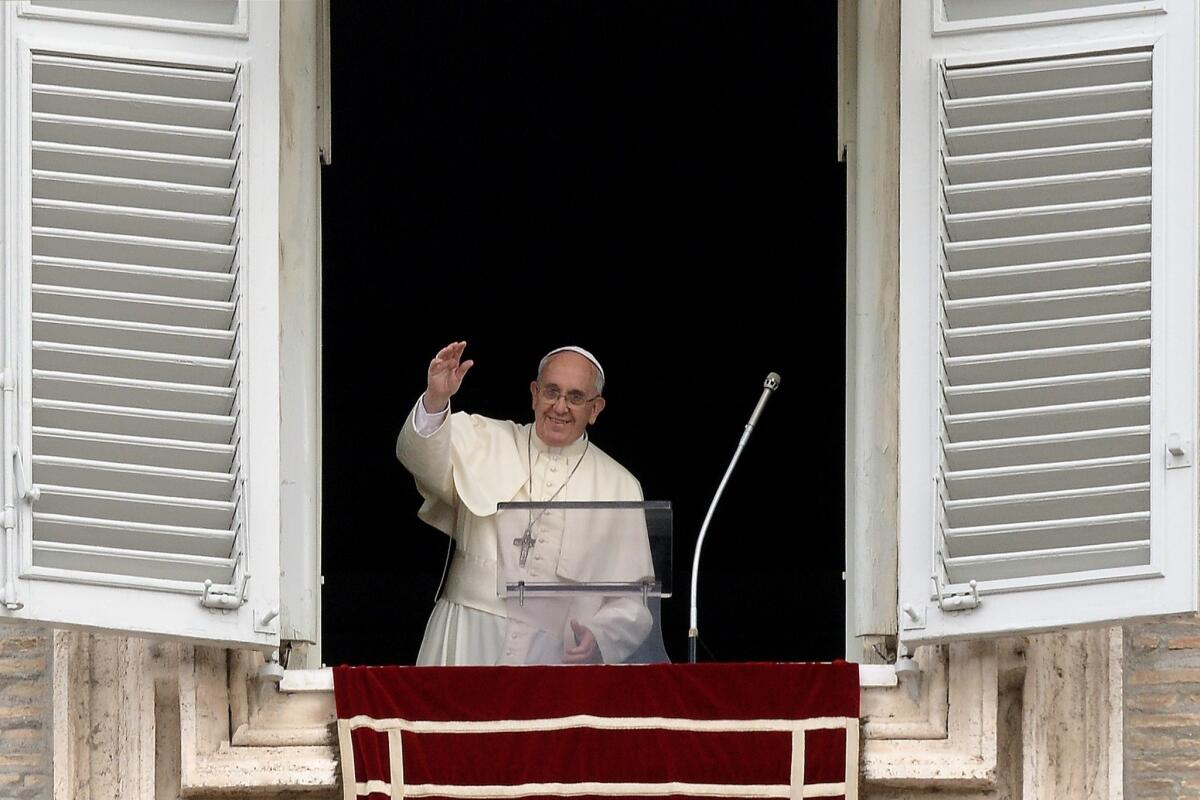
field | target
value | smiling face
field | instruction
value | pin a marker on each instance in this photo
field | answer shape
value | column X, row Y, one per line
column 559, row 422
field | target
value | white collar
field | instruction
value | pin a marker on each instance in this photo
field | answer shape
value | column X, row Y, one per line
column 572, row 450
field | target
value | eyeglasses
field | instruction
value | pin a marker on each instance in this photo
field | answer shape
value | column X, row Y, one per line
column 551, row 394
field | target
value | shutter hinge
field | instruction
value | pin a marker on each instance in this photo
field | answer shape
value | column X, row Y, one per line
column 956, row 601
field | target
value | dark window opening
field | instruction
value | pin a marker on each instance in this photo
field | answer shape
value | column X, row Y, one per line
column 653, row 181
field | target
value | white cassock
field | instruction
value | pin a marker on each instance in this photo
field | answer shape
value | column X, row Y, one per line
column 465, row 465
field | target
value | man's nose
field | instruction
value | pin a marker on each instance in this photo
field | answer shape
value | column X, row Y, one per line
column 561, row 399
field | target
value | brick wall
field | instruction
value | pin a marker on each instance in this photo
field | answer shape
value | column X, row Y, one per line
column 1162, row 711
column 26, row 737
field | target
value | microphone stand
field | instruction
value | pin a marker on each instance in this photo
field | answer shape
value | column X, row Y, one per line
column 769, row 386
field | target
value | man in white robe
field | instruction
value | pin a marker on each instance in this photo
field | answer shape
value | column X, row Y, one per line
column 465, row 465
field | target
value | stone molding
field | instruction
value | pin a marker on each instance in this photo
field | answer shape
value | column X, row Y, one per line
column 947, row 737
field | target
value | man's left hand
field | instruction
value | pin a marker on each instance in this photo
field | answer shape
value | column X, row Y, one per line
column 585, row 651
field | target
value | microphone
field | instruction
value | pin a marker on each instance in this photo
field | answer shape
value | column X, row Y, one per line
column 769, row 387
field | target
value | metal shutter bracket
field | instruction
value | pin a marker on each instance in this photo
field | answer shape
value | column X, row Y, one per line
column 956, row 601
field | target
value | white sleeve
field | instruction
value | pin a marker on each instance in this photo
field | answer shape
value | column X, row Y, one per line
column 426, row 423
column 620, row 627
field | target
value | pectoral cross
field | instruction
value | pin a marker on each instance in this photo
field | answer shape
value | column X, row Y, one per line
column 526, row 543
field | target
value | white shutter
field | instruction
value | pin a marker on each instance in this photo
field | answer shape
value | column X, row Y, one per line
column 146, row 194
column 1048, row 208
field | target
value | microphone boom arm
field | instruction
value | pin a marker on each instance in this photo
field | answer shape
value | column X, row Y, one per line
column 769, row 386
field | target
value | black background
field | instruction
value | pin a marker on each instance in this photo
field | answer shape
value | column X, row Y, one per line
column 654, row 181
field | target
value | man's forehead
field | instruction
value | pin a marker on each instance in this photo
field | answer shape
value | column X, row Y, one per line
column 579, row 351
column 563, row 366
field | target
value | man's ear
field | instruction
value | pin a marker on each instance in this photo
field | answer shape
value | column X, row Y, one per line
column 597, row 407
column 533, row 393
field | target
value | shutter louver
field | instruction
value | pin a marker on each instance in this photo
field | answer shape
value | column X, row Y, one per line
column 135, row 320
column 965, row 10
column 1046, row 328
column 215, row 12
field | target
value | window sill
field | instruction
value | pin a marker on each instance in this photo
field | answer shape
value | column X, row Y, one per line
column 301, row 681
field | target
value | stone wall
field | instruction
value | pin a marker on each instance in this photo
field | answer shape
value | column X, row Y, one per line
column 1162, row 710
column 26, row 737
